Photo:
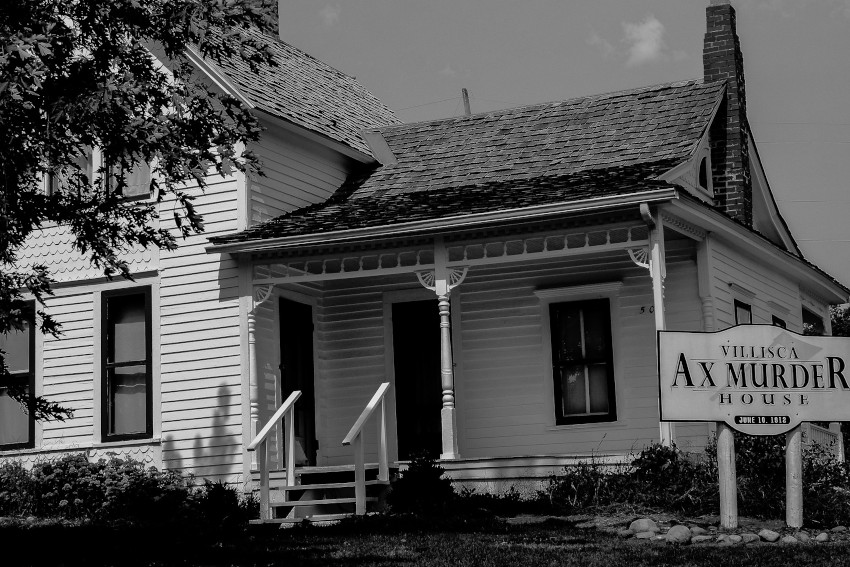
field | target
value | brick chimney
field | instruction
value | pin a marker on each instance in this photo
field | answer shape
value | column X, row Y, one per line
column 730, row 158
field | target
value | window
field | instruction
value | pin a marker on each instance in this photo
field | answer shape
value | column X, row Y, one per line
column 703, row 174
column 57, row 180
column 136, row 182
column 777, row 322
column 582, row 361
column 812, row 323
column 17, row 424
column 743, row 313
column 127, row 411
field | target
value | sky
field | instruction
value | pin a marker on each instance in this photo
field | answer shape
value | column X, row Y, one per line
column 417, row 55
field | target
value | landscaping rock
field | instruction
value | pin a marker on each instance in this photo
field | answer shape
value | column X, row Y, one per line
column 789, row 539
column 645, row 535
column 734, row 538
column 822, row 537
column 749, row 538
column 697, row 531
column 721, row 538
column 839, row 529
column 679, row 534
column 701, row 538
column 769, row 535
column 644, row 525
column 803, row 537
column 625, row 533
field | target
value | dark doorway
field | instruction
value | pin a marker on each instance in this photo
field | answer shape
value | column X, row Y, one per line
column 296, row 371
column 418, row 393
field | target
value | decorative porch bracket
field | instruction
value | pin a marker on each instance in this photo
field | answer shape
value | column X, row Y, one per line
column 442, row 280
column 260, row 296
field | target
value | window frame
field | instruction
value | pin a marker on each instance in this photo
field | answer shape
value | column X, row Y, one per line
column 604, row 290
column 778, row 322
column 105, row 343
column 586, row 361
column 113, row 171
column 748, row 307
column 30, row 443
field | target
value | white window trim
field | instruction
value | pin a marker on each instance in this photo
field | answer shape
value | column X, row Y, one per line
column 744, row 295
column 97, row 374
column 606, row 290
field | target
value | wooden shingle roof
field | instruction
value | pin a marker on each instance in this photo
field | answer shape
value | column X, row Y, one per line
column 597, row 146
column 312, row 94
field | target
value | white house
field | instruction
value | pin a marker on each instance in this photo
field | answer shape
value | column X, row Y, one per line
column 505, row 273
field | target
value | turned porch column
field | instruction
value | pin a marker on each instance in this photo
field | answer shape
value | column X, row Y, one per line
column 258, row 298
column 653, row 259
column 441, row 281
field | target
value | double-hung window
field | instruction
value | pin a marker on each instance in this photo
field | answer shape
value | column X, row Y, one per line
column 127, row 401
column 136, row 181
column 582, row 362
column 743, row 313
column 17, row 422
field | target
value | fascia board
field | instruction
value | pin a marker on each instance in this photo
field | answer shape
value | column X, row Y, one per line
column 217, row 77
column 757, row 246
column 459, row 222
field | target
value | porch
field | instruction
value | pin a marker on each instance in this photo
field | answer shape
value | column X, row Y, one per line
column 476, row 309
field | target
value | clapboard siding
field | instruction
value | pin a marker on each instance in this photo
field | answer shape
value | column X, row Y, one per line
column 67, row 368
column 298, row 173
column 200, row 372
column 765, row 282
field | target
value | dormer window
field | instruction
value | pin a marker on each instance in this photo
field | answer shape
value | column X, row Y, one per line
column 703, row 174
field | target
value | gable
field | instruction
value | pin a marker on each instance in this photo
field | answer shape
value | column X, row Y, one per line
column 767, row 219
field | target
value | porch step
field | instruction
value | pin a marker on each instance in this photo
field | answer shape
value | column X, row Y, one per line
column 314, row 519
column 330, row 485
column 276, row 500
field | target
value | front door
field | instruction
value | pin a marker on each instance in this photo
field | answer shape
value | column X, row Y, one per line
column 418, row 393
column 296, row 371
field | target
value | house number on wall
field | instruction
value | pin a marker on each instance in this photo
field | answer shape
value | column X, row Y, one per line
column 650, row 309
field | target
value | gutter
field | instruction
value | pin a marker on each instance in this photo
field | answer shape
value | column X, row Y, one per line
column 458, row 222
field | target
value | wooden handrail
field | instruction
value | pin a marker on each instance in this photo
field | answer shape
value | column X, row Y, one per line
column 261, row 442
column 355, row 437
column 278, row 415
column 367, row 413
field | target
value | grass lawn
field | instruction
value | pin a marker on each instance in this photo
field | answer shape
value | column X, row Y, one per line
column 389, row 542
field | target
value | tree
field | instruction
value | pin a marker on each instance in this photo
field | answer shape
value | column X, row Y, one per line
column 839, row 316
column 114, row 75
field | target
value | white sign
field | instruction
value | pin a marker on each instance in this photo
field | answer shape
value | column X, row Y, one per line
column 759, row 379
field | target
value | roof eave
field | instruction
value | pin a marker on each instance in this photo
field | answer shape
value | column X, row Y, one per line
column 757, row 245
column 457, row 222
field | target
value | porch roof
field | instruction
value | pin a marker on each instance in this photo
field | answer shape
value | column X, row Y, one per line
column 342, row 214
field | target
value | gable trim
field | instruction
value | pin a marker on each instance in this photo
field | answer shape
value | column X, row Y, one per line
column 772, row 208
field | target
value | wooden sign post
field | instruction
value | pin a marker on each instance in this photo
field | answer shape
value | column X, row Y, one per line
column 759, row 380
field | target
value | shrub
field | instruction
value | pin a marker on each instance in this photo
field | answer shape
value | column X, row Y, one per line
column 421, row 489
column 119, row 491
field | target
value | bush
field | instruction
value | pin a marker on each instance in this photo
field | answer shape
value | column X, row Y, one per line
column 421, row 489
column 119, row 491
column 665, row 478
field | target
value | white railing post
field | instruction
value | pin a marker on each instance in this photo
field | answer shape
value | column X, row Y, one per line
column 263, row 462
column 359, row 476
column 383, row 464
column 290, row 448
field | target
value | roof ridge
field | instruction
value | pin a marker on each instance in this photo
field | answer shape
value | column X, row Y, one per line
column 592, row 97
